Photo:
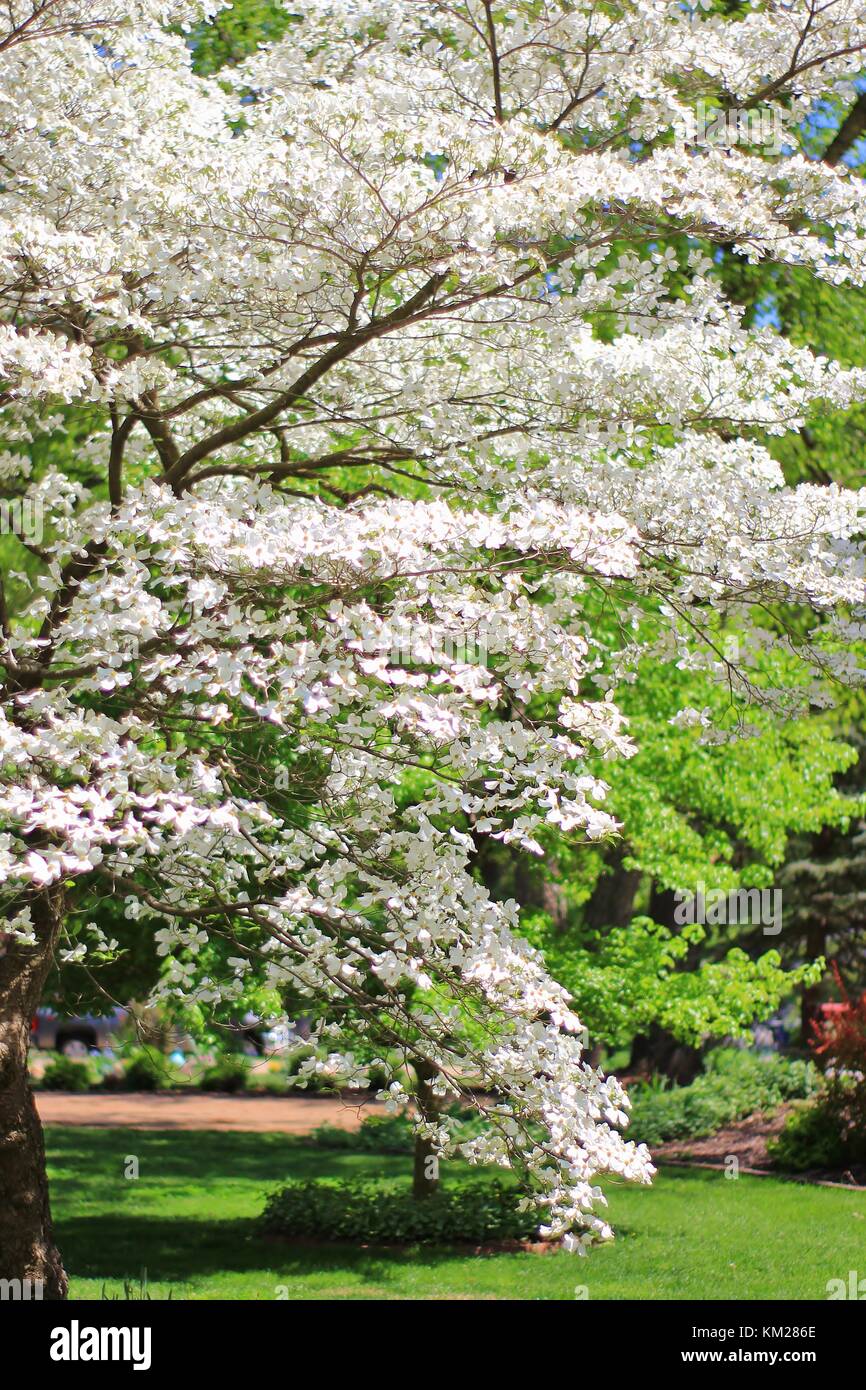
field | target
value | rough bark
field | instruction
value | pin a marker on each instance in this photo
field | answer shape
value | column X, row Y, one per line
column 27, row 1248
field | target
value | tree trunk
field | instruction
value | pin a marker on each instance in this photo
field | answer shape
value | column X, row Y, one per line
column 810, row 1004
column 425, row 1175
column 657, row 1050
column 612, row 900
column 27, row 1249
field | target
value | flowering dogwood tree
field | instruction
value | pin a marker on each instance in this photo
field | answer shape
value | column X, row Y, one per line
column 401, row 336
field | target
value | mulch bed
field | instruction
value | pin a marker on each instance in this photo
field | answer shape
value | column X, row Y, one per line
column 746, row 1140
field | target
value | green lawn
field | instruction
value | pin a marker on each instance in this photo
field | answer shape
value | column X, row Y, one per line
column 189, row 1221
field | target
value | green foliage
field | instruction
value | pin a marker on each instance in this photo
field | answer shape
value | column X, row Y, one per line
column 830, row 1132
column 146, row 1070
column 386, row 1134
column 693, row 811
column 66, row 1074
column 721, row 812
column 810, row 1139
column 234, row 34
column 227, row 1074
column 735, row 1083
column 387, row 1213
column 626, row 978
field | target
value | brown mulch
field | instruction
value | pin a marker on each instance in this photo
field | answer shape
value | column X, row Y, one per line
column 746, row 1140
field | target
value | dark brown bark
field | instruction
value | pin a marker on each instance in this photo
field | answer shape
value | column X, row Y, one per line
column 425, row 1174
column 810, row 1004
column 851, row 129
column 612, row 900
column 537, row 887
column 27, row 1249
column 658, row 1051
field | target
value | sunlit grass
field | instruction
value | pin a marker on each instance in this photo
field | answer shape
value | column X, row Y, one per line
column 188, row 1219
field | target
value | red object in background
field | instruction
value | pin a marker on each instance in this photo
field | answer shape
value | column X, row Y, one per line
column 839, row 1035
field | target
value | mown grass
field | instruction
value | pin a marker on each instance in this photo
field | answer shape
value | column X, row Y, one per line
column 188, row 1219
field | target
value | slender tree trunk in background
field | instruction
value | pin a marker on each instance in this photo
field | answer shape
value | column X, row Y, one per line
column 657, row 1050
column 425, row 1176
column 612, row 900
column 505, row 873
column 27, row 1249
column 535, row 886
column 810, row 1003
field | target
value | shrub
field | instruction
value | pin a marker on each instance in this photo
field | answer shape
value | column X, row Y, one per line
column 267, row 1081
column 146, row 1071
column 387, row 1213
column 734, row 1083
column 317, row 1084
column 810, row 1139
column 65, row 1074
column 313, row 1083
column 828, row 1133
column 295, row 1058
column 228, row 1074
column 384, row 1134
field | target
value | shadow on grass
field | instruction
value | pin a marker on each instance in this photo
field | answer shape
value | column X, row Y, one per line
column 85, row 1160
column 176, row 1251
column 179, row 1152
column 110, row 1228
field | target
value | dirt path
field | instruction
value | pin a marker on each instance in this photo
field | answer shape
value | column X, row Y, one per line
column 263, row 1114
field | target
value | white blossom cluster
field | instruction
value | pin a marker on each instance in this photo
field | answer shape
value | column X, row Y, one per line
column 326, row 334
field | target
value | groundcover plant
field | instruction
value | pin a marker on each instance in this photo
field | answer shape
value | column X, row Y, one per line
column 377, row 412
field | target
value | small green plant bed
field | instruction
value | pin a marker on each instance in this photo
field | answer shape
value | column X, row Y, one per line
column 388, row 1214
column 150, row 1069
column 735, row 1083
